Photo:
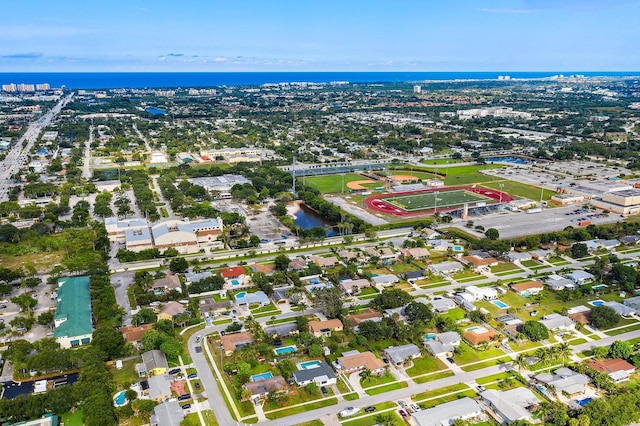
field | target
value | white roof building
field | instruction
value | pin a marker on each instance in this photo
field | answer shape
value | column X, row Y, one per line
column 481, row 293
column 511, row 405
column 444, row 414
column 557, row 322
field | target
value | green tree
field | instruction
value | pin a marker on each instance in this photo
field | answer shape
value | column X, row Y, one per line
column 329, row 300
column 171, row 348
column 416, row 311
column 25, row 301
column 620, row 349
column 178, row 264
column 243, row 372
column 391, row 298
column 315, row 350
column 312, row 389
column 492, row 234
column 535, row 331
column 282, row 262
column 579, row 250
column 45, row 319
column 604, row 316
column 108, row 340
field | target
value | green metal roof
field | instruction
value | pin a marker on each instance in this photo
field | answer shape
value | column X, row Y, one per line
column 74, row 304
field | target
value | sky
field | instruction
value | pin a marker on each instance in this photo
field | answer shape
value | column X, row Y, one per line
column 323, row 35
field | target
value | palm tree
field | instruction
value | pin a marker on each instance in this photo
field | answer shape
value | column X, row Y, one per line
column 563, row 350
column 366, row 375
column 543, row 355
column 385, row 419
column 522, row 362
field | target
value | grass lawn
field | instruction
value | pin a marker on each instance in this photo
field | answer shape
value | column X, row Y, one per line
column 368, row 291
column 577, row 341
column 268, row 308
column 530, row 263
column 622, row 330
column 521, row 190
column 377, row 380
column 127, row 375
column 494, row 377
column 474, row 278
column 426, row 364
column 386, row 388
column 466, row 354
column 505, row 266
column 448, row 398
column 370, row 420
column 485, row 364
column 432, row 377
column 455, row 314
column 72, row 419
column 311, row 423
column 302, row 408
column 557, row 261
column 43, row 262
column 467, row 273
column 333, row 183
column 437, row 392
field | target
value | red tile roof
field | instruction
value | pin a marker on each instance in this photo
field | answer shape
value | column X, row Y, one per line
column 232, row 272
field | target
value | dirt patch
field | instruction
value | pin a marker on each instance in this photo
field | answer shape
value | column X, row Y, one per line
column 43, row 262
column 404, row 178
column 357, row 184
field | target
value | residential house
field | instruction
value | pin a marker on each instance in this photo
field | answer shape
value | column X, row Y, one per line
column 194, row 277
column 444, row 246
column 540, row 255
column 352, row 287
column 581, row 314
column 622, row 310
column 430, row 234
column 632, row 302
column 155, row 363
column 325, row 328
column 231, row 342
column 412, row 276
column 630, row 239
column 283, row 330
column 398, row 355
column 72, row 320
column 166, row 284
column 367, row 315
column 348, row 255
column 527, row 288
column 442, row 304
column 445, row 414
column 261, row 267
column 355, row 361
column 416, row 253
column 479, row 335
column 446, row 268
column 477, row 262
column 618, row 369
column 159, row 387
column 564, row 380
column 208, row 305
column 512, row 405
column 171, row 310
column 298, row 264
column 133, row 334
column 262, row 388
column 236, row 275
column 325, row 262
column 280, row 294
column 580, row 277
column 481, row 293
column 555, row 322
column 442, row 344
column 385, row 279
column 169, row 413
column 248, row 299
column 385, row 254
column 322, row 375
column 557, row 283
column 515, row 256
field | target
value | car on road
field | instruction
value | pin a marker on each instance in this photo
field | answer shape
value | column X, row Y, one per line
column 370, row 409
column 324, row 390
column 186, row 406
column 192, row 376
column 198, row 338
column 349, row 411
column 174, row 371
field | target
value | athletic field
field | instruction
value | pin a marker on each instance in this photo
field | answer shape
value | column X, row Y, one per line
column 432, row 200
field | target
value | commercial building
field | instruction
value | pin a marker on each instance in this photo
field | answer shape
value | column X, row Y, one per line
column 219, row 186
column 186, row 237
column 73, row 325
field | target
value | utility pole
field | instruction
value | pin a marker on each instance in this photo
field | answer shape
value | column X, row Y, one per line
column 293, row 169
column 342, row 183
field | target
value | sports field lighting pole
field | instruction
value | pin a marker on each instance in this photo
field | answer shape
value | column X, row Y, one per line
column 435, row 203
column 501, row 186
column 342, row 183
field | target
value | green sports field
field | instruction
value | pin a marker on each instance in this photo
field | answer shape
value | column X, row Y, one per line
column 427, row 201
column 331, row 183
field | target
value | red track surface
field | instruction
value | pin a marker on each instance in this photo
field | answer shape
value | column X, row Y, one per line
column 377, row 202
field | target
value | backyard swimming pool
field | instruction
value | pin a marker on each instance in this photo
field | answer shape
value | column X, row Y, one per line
column 235, row 282
column 261, row 376
column 429, row 336
column 308, row 365
column 599, row 286
column 285, row 350
column 583, row 402
column 241, row 295
column 597, row 302
column 119, row 399
column 500, row 304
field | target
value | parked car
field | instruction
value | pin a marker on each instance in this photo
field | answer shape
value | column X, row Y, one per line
column 174, row 371
column 402, row 404
column 3, row 306
column 184, row 397
column 403, row 414
column 192, row 376
column 451, row 360
column 370, row 409
column 415, row 407
column 186, row 406
column 481, row 388
column 324, row 390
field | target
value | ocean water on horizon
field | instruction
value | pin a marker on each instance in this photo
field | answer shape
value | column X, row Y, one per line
column 140, row 80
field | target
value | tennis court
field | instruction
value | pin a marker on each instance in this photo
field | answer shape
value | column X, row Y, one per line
column 431, row 200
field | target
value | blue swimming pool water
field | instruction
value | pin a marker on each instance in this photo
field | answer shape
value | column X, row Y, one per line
column 241, row 295
column 261, row 376
column 513, row 160
column 471, row 328
column 285, row 350
column 429, row 336
column 308, row 365
column 120, row 398
column 597, row 303
column 599, row 286
column 313, row 281
column 235, row 282
column 583, row 402
column 500, row 304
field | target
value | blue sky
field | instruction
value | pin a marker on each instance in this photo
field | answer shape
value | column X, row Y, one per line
column 326, row 35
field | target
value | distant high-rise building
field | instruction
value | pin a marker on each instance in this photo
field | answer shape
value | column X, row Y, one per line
column 43, row 86
column 22, row 87
column 9, row 87
column 417, row 89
